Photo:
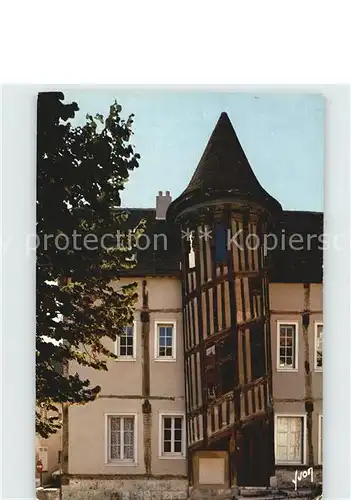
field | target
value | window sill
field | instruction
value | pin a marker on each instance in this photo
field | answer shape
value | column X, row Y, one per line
column 290, row 464
column 167, row 360
column 125, row 358
column 288, row 370
column 121, row 463
column 295, row 467
column 172, row 457
column 318, row 370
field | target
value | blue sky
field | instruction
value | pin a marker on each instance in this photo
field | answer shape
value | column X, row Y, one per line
column 282, row 135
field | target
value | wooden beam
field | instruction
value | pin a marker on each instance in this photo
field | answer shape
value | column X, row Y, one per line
column 253, row 418
column 296, row 312
column 222, row 433
column 198, row 256
column 216, row 280
column 233, row 315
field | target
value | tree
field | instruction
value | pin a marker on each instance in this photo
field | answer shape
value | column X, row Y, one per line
column 80, row 173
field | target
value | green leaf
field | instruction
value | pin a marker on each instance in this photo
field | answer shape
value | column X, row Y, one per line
column 75, row 165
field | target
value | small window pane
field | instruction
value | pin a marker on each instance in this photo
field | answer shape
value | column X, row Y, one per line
column 115, row 424
column 128, row 452
column 167, row 447
column 178, row 423
column 168, row 423
column 177, row 447
column 178, row 435
column 168, row 435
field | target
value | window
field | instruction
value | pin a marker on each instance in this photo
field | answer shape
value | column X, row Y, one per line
column 165, row 341
column 221, row 251
column 121, row 441
column 172, row 436
column 318, row 346
column 290, row 439
column 126, row 343
column 287, row 347
column 320, row 440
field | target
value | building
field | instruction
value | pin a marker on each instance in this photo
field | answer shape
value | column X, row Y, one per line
column 218, row 381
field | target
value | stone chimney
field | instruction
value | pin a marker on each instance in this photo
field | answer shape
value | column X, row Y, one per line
column 162, row 203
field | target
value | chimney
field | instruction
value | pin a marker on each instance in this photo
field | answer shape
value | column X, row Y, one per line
column 162, row 203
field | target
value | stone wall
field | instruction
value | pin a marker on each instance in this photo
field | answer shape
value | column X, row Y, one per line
column 48, row 494
column 177, row 489
column 275, row 494
column 125, row 489
column 286, row 475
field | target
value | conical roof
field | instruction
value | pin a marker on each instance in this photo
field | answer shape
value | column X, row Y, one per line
column 223, row 171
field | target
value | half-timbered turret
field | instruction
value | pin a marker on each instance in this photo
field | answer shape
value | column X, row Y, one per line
column 223, row 214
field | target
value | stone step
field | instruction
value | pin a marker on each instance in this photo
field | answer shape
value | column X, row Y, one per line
column 251, row 493
column 211, row 496
column 209, row 493
column 254, row 492
column 273, row 497
column 266, row 497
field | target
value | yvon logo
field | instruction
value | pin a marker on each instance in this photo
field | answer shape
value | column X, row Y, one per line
column 299, row 475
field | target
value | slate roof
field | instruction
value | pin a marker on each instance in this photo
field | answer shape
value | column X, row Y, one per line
column 159, row 258
column 286, row 265
column 223, row 171
column 301, row 261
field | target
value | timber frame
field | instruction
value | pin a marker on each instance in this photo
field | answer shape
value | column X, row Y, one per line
column 226, row 320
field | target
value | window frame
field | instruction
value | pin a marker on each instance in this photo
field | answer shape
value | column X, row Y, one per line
column 120, row 462
column 157, row 357
column 316, row 325
column 118, row 345
column 170, row 455
column 320, row 439
column 304, row 440
column 288, row 323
